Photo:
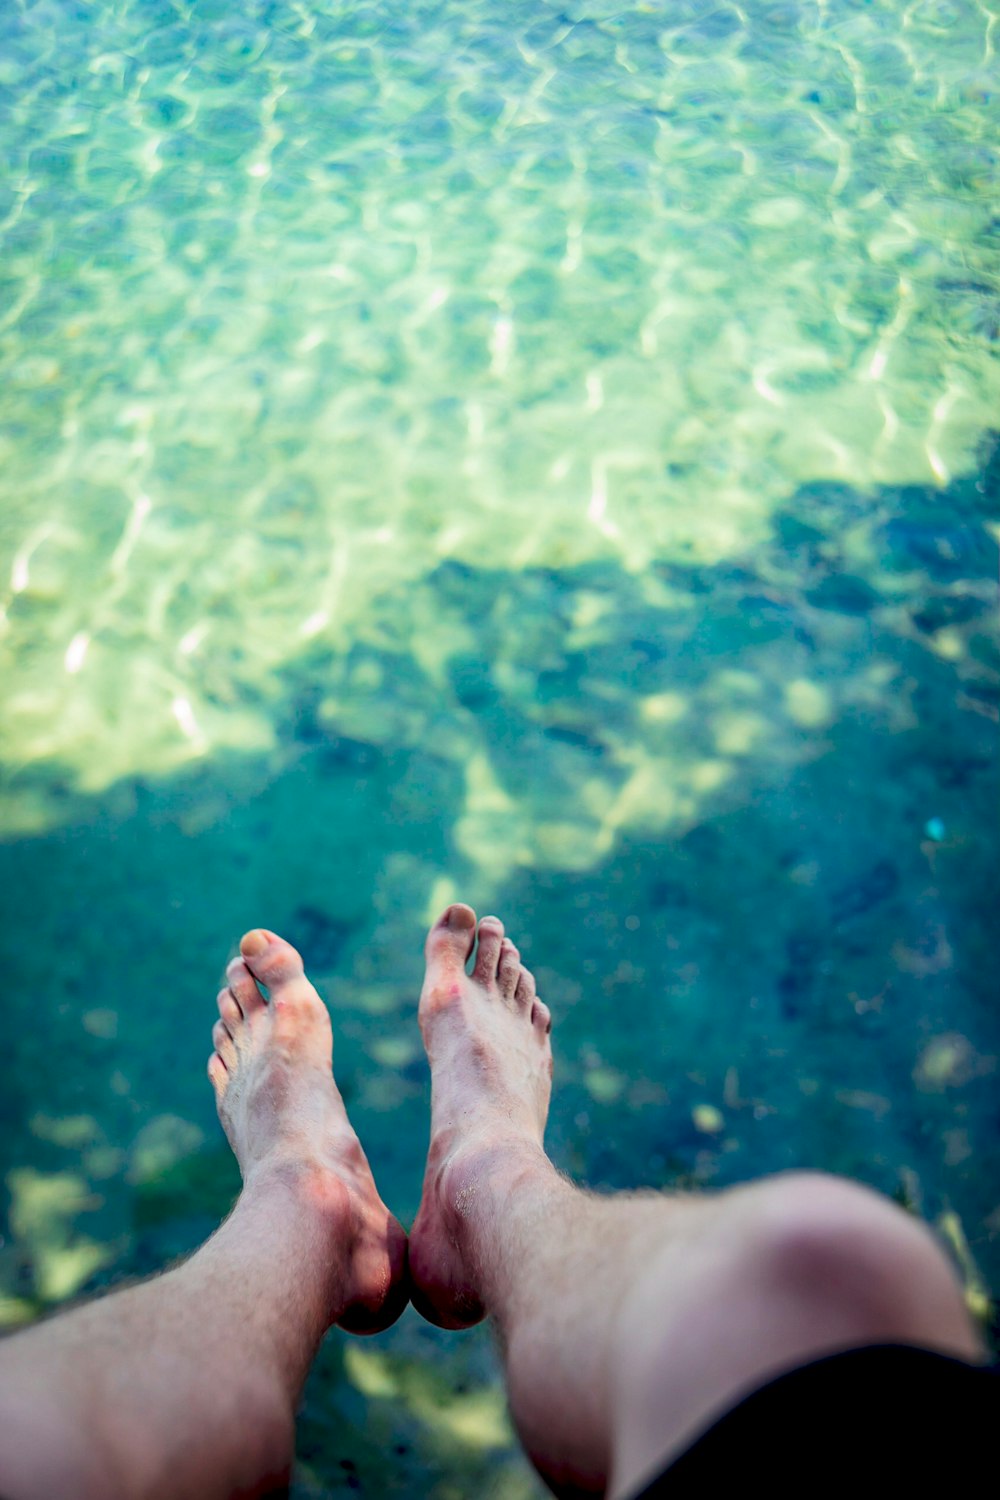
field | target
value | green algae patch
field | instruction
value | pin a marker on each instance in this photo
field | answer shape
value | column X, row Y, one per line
column 202, row 1186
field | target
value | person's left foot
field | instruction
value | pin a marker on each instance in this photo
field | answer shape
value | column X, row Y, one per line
column 487, row 1040
column 272, row 1070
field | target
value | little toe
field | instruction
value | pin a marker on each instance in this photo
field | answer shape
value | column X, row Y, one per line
column 244, row 987
column 525, row 992
column 224, row 1044
column 541, row 1017
column 218, row 1073
column 508, row 969
column 229, row 1009
column 488, row 952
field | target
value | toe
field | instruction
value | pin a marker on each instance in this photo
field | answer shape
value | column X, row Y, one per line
column 229, row 1009
column 446, row 952
column 244, row 987
column 450, row 940
column 292, row 1002
column 525, row 992
column 508, row 969
column 224, row 1044
column 269, row 958
column 218, row 1073
column 488, row 952
column 541, row 1017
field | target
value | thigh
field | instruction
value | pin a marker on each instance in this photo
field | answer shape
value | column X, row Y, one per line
column 888, row 1415
column 780, row 1273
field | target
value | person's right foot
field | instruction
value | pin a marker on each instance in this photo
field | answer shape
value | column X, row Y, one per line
column 487, row 1039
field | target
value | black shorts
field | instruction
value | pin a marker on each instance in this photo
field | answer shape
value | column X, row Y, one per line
column 885, row 1416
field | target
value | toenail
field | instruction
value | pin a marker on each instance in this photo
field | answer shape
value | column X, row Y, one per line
column 253, row 943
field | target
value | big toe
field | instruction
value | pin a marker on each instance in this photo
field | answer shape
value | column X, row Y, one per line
column 278, row 966
column 449, row 944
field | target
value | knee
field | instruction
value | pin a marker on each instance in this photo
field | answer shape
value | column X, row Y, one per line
column 844, row 1254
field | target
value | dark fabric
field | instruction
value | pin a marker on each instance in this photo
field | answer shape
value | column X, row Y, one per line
column 887, row 1415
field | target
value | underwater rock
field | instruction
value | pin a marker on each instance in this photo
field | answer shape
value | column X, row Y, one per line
column 863, row 895
column 844, row 593
column 319, row 935
column 942, row 546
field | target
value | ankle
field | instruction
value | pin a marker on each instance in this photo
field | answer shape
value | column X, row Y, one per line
column 482, row 1177
column 301, row 1190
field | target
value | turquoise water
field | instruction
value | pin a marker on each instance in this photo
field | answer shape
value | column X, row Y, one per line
column 545, row 459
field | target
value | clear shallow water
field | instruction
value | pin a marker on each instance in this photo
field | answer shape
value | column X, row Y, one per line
column 546, row 462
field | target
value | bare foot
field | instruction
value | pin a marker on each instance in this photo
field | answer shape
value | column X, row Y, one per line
column 487, row 1038
column 272, row 1070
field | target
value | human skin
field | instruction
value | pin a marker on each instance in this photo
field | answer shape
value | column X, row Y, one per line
column 626, row 1322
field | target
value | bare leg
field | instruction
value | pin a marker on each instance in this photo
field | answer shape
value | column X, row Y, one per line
column 187, row 1384
column 629, row 1323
